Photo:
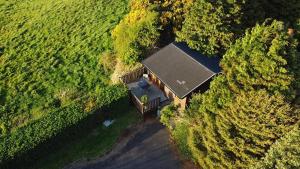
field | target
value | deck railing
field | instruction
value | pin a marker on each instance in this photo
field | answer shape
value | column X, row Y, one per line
column 151, row 105
column 133, row 75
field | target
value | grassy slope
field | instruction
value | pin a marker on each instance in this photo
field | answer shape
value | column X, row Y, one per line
column 50, row 47
column 94, row 143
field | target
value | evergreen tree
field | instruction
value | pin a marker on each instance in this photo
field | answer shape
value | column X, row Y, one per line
column 284, row 154
column 207, row 27
column 244, row 112
column 238, row 134
column 211, row 26
column 287, row 11
column 266, row 57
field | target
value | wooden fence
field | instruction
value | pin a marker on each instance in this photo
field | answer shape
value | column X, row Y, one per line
column 133, row 75
column 151, row 105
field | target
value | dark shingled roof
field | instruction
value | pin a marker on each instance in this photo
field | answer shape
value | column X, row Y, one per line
column 181, row 68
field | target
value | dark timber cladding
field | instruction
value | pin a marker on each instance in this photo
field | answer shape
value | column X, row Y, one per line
column 181, row 69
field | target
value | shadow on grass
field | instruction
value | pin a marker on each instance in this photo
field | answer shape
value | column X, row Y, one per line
column 84, row 141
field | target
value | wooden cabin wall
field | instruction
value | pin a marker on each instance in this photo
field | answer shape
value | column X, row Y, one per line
column 171, row 96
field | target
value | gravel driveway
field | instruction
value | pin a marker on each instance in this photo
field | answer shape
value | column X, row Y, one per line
column 147, row 148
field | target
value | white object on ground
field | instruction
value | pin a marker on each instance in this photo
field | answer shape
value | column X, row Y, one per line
column 107, row 123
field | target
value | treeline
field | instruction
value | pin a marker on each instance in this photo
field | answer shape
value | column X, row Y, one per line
column 249, row 118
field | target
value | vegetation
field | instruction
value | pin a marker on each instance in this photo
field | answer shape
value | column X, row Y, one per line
column 208, row 26
column 135, row 35
column 172, row 14
column 248, row 107
column 28, row 137
column 144, row 99
column 167, row 114
column 283, row 154
column 212, row 26
column 108, row 61
column 57, row 59
column 266, row 57
column 49, row 74
column 93, row 143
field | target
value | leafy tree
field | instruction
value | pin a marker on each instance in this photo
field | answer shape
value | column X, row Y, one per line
column 207, row 27
column 137, row 33
column 234, row 123
column 238, row 134
column 172, row 13
column 284, row 153
column 211, row 26
column 266, row 57
column 287, row 11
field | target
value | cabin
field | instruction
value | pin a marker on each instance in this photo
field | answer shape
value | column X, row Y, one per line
column 172, row 74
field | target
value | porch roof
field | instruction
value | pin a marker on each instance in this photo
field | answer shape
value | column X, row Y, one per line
column 182, row 69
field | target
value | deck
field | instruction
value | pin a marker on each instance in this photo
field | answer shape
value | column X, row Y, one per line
column 152, row 91
column 156, row 97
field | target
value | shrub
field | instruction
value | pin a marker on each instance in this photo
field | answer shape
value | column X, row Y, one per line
column 180, row 135
column 167, row 115
column 144, row 99
column 108, row 61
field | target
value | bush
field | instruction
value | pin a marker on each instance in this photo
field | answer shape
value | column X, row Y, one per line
column 167, row 115
column 108, row 61
column 180, row 135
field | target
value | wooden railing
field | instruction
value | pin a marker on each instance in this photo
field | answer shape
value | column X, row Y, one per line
column 133, row 75
column 151, row 105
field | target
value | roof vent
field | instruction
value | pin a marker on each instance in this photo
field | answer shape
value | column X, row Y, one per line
column 181, row 82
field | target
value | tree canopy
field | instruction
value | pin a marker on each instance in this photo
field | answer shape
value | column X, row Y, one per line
column 284, row 154
column 208, row 27
column 266, row 57
column 135, row 34
column 238, row 134
column 248, row 107
column 212, row 26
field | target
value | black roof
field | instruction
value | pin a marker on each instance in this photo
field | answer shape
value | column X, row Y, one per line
column 181, row 68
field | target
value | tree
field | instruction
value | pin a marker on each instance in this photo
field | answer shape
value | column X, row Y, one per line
column 238, row 134
column 211, row 26
column 284, row 154
column 287, row 11
column 137, row 33
column 172, row 13
column 233, row 124
column 207, row 27
column 266, row 58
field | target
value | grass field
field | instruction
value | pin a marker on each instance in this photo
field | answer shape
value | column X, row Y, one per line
column 49, row 53
column 49, row 59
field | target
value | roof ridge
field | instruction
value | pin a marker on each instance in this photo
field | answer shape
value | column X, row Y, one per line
column 191, row 57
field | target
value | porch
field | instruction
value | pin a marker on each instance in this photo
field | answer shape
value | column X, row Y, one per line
column 146, row 96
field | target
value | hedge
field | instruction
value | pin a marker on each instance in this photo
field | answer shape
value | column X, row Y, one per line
column 28, row 137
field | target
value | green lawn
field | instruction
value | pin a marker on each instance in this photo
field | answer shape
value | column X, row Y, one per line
column 96, row 142
column 49, row 53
